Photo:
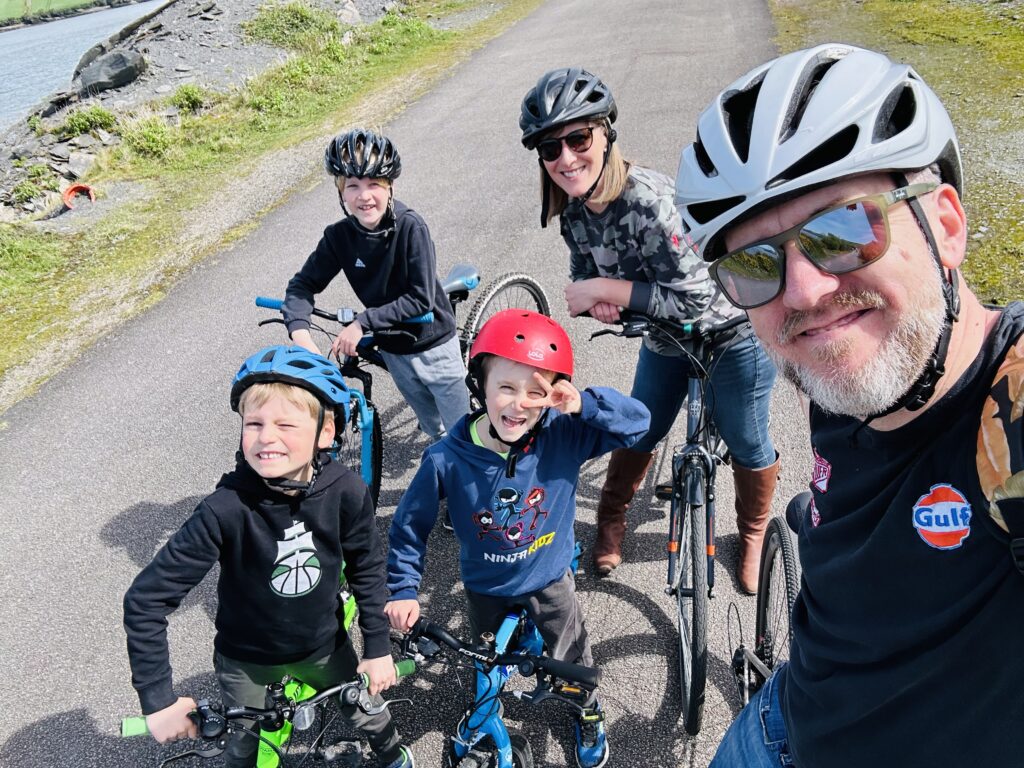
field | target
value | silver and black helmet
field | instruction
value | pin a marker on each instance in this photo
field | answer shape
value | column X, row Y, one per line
column 363, row 154
column 564, row 96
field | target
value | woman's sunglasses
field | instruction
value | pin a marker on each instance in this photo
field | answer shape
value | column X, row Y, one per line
column 838, row 240
column 578, row 141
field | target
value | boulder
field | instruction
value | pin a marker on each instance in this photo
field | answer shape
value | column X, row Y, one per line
column 79, row 164
column 112, row 70
column 349, row 14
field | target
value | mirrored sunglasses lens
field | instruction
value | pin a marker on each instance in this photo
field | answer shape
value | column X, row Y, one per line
column 847, row 238
column 750, row 277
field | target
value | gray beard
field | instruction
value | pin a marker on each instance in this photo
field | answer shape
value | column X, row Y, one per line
column 887, row 376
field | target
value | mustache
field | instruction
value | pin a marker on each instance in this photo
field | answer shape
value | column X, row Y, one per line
column 860, row 298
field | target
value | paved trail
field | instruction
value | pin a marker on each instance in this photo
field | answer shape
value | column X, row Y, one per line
column 114, row 453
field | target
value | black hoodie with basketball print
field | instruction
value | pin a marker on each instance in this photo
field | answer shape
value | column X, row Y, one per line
column 280, row 566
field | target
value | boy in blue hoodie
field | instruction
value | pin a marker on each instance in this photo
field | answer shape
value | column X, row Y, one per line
column 510, row 473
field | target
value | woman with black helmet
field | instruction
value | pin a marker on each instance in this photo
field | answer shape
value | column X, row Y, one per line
column 385, row 250
column 628, row 249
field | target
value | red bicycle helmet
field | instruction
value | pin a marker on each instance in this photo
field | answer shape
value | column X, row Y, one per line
column 525, row 337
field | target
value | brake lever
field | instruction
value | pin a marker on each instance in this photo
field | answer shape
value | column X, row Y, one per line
column 270, row 320
column 375, row 709
column 605, row 332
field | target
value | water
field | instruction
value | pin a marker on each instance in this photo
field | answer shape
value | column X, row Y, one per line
column 39, row 59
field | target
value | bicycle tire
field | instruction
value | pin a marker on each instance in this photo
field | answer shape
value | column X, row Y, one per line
column 778, row 584
column 692, row 616
column 522, row 755
column 350, row 448
column 513, row 290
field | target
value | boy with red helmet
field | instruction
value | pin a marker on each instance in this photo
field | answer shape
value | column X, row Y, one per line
column 514, row 521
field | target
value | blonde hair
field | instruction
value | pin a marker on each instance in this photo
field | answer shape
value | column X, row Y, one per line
column 609, row 189
column 260, row 394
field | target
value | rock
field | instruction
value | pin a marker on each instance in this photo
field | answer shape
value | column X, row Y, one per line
column 58, row 102
column 161, row 89
column 47, row 139
column 183, row 68
column 79, row 163
column 112, row 70
column 26, row 150
column 103, row 136
column 84, row 141
column 61, row 152
column 349, row 14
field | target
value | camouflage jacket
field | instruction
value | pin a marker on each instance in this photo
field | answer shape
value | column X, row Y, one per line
column 639, row 237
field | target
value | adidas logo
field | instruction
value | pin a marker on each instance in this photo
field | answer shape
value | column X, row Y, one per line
column 359, row 263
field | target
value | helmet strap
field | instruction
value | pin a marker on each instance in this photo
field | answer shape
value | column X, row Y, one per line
column 612, row 135
column 921, row 391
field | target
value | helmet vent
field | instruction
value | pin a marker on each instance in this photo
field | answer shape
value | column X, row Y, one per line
column 520, row 338
column 304, row 364
column 705, row 212
column 802, row 96
column 738, row 109
column 554, row 347
column 896, row 114
column 703, row 159
column 826, row 153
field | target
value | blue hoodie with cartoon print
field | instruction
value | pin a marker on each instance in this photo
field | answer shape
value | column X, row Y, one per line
column 515, row 533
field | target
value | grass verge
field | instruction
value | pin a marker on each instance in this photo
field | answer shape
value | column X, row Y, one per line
column 59, row 292
column 971, row 52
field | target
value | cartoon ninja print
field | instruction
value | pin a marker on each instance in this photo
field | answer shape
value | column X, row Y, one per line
column 512, row 517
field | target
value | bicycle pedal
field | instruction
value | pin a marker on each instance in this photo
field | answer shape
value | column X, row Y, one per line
column 663, row 491
column 345, row 754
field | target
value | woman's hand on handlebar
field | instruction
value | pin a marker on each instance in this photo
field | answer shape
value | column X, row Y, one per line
column 381, row 672
column 345, row 343
column 605, row 312
column 173, row 722
column 402, row 614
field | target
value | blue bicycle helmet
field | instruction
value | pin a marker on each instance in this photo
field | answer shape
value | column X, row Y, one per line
column 296, row 366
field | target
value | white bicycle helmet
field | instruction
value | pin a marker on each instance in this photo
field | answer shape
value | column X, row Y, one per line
column 802, row 121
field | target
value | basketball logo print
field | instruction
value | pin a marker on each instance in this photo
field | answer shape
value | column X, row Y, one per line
column 297, row 567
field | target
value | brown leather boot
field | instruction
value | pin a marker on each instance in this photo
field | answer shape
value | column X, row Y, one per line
column 754, row 491
column 626, row 472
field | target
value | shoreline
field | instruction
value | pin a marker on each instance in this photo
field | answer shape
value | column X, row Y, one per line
column 45, row 18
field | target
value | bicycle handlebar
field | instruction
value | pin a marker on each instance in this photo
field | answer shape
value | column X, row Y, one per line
column 588, row 677
column 211, row 721
column 633, row 324
column 344, row 315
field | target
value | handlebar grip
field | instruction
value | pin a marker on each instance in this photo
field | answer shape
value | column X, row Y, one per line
column 133, row 726
column 434, row 632
column 588, row 677
column 426, row 317
column 405, row 667
column 267, row 303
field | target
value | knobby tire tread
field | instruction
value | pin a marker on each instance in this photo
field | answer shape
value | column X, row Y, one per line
column 695, row 545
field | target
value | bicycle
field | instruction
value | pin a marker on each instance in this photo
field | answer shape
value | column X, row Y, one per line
column 360, row 444
column 292, row 705
column 778, row 585
column 691, row 532
column 481, row 738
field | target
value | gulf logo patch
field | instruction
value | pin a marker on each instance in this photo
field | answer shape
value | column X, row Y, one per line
column 942, row 517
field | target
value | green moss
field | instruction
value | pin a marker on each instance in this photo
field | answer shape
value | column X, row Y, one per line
column 84, row 120
column 972, row 54
column 188, row 98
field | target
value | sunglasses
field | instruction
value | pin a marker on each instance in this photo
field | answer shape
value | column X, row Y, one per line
column 837, row 240
column 578, row 141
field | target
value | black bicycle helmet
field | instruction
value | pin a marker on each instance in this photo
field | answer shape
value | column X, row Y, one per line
column 563, row 96
column 362, row 154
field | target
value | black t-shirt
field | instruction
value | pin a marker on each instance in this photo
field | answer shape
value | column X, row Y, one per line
column 909, row 629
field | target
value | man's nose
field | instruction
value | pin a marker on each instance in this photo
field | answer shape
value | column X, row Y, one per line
column 806, row 283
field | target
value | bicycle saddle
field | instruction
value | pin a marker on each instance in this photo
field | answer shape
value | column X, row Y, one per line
column 461, row 277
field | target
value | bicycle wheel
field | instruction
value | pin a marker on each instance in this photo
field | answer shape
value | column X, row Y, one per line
column 350, row 446
column 510, row 291
column 692, row 615
column 777, row 587
column 522, row 755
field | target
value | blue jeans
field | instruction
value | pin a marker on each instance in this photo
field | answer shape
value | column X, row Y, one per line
column 433, row 383
column 739, row 397
column 757, row 737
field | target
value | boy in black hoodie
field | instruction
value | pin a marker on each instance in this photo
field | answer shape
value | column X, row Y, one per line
column 280, row 525
column 385, row 251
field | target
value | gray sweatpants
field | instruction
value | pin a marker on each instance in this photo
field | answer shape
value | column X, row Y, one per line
column 243, row 684
column 554, row 609
column 433, row 382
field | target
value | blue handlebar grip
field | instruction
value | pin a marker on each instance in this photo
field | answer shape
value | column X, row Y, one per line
column 405, row 667
column 133, row 726
column 688, row 327
column 268, row 303
column 426, row 317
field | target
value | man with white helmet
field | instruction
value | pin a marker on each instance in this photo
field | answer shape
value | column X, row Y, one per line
column 825, row 189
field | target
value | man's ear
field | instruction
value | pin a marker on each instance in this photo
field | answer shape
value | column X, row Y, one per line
column 951, row 232
column 327, row 434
